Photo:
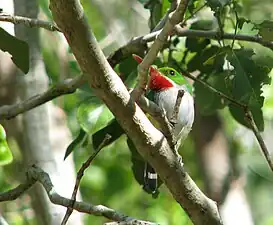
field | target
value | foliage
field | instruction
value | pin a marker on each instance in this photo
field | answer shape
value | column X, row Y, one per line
column 237, row 69
column 17, row 48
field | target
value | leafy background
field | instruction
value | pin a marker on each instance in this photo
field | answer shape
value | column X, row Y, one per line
column 241, row 70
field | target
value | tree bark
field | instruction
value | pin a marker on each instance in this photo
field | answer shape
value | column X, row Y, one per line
column 151, row 143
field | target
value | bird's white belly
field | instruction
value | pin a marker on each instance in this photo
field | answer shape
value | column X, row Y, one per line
column 166, row 100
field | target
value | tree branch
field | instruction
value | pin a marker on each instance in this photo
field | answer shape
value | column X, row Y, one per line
column 28, row 22
column 174, row 18
column 250, row 120
column 196, row 79
column 160, row 116
column 150, row 143
column 34, row 174
column 179, row 97
column 66, row 87
column 137, row 45
column 80, row 173
column 182, row 32
column 135, row 42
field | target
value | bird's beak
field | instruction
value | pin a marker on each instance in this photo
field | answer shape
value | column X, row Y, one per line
column 152, row 70
column 137, row 58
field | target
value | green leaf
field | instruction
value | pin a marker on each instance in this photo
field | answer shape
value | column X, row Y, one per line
column 203, row 24
column 128, row 71
column 165, row 6
column 92, row 115
column 266, row 30
column 217, row 5
column 197, row 44
column 239, row 115
column 192, row 6
column 208, row 101
column 248, row 77
column 209, row 60
column 79, row 140
column 241, row 22
column 156, row 9
column 5, row 153
column 156, row 14
column 113, row 129
column 44, row 6
column 17, row 48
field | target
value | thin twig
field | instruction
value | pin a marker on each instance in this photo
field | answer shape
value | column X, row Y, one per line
column 174, row 18
column 29, row 22
column 80, row 174
column 217, row 14
column 250, row 121
column 248, row 114
column 236, row 28
column 67, row 87
column 173, row 120
column 35, row 173
column 194, row 13
column 179, row 97
column 182, row 32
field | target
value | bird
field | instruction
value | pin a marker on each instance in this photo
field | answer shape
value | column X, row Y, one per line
column 163, row 87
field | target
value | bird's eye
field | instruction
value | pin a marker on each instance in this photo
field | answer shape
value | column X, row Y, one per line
column 172, row 73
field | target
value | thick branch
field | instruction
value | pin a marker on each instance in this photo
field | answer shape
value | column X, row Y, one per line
column 29, row 22
column 160, row 116
column 150, row 143
column 34, row 174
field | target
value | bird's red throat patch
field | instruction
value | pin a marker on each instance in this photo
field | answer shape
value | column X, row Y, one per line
column 157, row 81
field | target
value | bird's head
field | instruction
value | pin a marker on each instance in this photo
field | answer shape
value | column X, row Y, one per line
column 164, row 78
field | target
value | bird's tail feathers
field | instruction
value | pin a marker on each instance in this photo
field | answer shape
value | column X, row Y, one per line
column 150, row 180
